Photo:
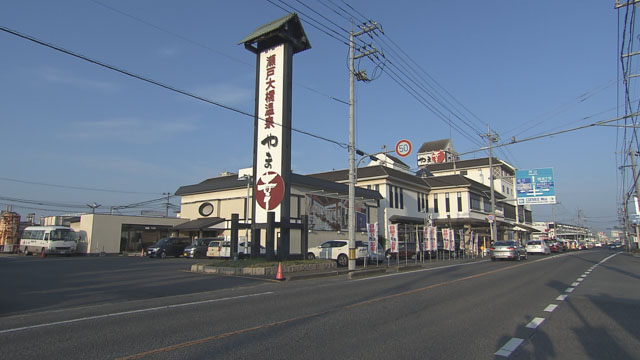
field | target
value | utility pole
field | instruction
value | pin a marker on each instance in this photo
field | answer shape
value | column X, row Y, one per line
column 166, row 208
column 365, row 28
column 637, row 186
column 492, row 138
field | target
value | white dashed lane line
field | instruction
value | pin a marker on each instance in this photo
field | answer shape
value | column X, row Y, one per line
column 509, row 347
column 535, row 323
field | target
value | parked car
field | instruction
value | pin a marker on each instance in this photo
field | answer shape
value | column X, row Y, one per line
column 241, row 250
column 507, row 250
column 198, row 248
column 168, row 247
column 337, row 250
column 404, row 251
column 538, row 247
column 218, row 248
column 553, row 246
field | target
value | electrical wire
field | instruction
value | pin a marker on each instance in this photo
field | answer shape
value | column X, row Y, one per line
column 76, row 187
column 162, row 85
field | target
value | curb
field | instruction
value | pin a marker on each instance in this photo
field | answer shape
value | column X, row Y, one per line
column 364, row 273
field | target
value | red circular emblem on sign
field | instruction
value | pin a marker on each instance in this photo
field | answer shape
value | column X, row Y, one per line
column 269, row 190
column 438, row 157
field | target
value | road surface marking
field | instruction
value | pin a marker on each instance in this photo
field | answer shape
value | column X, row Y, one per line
column 130, row 312
column 509, row 347
column 561, row 297
column 535, row 323
column 550, row 307
column 579, row 279
column 569, row 290
column 416, row 271
column 575, row 284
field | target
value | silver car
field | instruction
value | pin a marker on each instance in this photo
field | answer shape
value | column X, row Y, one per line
column 508, row 250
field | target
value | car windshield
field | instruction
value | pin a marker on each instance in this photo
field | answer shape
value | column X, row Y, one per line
column 504, row 243
column 62, row 235
column 162, row 242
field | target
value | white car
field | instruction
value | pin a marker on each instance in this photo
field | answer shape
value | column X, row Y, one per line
column 538, row 247
column 337, row 250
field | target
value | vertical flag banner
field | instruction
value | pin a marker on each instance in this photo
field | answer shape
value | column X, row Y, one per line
column 462, row 244
column 452, row 240
column 434, row 238
column 393, row 236
column 417, row 240
column 475, row 242
column 445, row 239
column 372, row 230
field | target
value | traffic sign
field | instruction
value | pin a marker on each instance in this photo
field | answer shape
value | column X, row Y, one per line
column 403, row 148
column 490, row 218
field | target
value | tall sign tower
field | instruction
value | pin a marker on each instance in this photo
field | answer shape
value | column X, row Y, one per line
column 274, row 44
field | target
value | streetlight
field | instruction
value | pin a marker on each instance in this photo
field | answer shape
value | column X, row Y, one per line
column 93, row 207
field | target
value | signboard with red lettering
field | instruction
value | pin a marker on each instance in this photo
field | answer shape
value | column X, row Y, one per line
column 269, row 185
column 393, row 236
column 372, row 231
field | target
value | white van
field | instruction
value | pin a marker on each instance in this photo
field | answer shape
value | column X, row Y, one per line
column 45, row 240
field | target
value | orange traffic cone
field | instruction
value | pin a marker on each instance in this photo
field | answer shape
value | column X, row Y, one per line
column 279, row 274
column 142, row 253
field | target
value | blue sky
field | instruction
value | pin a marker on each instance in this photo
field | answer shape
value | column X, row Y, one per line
column 524, row 68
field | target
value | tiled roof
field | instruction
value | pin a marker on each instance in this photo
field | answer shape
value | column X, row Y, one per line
column 434, row 145
column 232, row 182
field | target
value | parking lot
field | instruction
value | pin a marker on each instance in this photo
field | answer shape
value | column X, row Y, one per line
column 55, row 282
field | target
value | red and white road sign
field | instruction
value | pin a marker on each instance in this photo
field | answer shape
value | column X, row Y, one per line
column 403, row 148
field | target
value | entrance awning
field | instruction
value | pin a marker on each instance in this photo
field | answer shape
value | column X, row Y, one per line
column 406, row 220
column 201, row 224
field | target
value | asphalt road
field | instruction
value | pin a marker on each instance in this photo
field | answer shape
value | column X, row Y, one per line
column 448, row 310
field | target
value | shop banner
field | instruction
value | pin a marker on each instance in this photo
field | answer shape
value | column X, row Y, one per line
column 445, row 239
column 393, row 237
column 372, row 230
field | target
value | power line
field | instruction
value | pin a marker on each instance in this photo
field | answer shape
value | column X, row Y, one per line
column 202, row 45
column 76, row 187
column 598, row 123
column 162, row 85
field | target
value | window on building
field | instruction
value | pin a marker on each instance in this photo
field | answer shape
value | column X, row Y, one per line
column 476, row 202
column 459, row 202
column 397, row 196
column 401, row 199
column 487, row 204
column 390, row 196
column 447, row 206
column 435, row 203
column 418, row 198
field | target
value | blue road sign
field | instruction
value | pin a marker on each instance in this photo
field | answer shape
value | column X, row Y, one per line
column 535, row 186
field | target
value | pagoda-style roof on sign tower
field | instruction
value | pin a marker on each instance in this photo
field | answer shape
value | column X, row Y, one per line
column 286, row 29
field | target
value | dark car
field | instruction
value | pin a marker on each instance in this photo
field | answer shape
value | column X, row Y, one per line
column 198, row 248
column 168, row 247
